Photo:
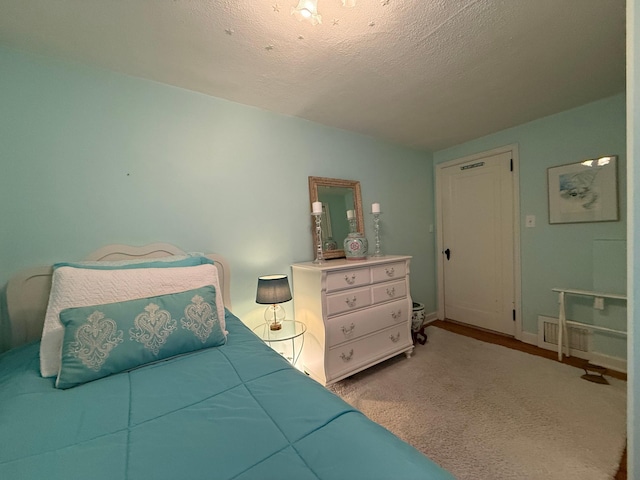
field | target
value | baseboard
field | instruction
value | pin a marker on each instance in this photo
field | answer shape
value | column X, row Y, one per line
column 607, row 361
column 614, row 363
column 530, row 338
column 430, row 317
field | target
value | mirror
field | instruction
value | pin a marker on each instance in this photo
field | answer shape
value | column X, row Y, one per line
column 337, row 196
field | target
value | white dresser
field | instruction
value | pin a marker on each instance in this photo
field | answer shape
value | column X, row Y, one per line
column 357, row 313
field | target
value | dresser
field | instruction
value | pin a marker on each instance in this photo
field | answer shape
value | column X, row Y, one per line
column 357, row 313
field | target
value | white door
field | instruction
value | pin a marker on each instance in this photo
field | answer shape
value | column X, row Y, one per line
column 478, row 242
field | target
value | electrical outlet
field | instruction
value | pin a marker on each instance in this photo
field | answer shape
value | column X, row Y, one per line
column 598, row 303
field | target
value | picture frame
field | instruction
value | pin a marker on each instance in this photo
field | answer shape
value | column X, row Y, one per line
column 585, row 191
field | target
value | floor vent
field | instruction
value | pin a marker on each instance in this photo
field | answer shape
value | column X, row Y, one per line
column 579, row 338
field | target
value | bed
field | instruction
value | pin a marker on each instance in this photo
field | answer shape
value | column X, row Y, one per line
column 232, row 410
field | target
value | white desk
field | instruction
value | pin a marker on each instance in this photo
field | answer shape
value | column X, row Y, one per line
column 562, row 318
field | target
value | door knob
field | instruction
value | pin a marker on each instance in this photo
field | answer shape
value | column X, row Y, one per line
column 447, row 252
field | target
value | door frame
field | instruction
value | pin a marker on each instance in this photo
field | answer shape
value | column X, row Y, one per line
column 517, row 277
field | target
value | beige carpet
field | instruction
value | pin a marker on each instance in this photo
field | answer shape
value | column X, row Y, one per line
column 487, row 412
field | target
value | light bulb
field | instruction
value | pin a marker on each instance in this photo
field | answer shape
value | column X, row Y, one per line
column 307, row 10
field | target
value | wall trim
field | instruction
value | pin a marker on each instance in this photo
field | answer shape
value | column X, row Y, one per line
column 530, row 338
column 430, row 317
column 614, row 363
column 608, row 361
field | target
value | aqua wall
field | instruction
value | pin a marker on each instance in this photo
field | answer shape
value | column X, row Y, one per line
column 569, row 255
column 90, row 157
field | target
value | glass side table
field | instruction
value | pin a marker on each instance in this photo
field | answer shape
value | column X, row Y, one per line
column 288, row 341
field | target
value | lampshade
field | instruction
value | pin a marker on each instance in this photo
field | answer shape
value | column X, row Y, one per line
column 273, row 289
column 307, row 10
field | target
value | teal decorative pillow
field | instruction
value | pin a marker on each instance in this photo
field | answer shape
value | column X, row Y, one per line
column 190, row 260
column 101, row 340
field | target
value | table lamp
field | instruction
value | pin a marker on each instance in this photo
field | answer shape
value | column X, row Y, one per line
column 273, row 290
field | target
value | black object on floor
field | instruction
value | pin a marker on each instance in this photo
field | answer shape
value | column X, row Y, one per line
column 594, row 373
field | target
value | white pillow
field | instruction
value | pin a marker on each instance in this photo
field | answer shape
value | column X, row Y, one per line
column 82, row 287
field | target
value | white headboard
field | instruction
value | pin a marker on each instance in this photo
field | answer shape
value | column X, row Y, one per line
column 28, row 291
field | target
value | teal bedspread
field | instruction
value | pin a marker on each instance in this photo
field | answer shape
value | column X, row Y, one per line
column 233, row 412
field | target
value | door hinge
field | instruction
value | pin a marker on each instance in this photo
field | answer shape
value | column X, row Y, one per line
column 514, row 314
column 511, row 165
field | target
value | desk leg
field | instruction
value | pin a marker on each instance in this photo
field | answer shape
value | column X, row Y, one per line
column 296, row 357
column 561, row 325
column 566, row 336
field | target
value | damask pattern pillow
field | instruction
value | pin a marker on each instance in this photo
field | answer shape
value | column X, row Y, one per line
column 79, row 287
column 101, row 340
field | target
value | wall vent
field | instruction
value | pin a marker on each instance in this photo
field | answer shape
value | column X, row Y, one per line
column 579, row 338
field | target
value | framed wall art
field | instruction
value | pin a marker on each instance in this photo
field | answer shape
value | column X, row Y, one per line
column 585, row 191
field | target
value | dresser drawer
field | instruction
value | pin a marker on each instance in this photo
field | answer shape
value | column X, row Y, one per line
column 342, row 279
column 348, row 300
column 382, row 273
column 389, row 291
column 344, row 328
column 353, row 355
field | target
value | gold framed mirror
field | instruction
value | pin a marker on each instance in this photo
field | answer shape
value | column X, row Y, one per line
column 337, row 197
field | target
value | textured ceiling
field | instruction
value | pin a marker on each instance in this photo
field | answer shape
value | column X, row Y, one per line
column 423, row 73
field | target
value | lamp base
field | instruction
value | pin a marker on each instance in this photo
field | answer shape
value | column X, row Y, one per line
column 273, row 316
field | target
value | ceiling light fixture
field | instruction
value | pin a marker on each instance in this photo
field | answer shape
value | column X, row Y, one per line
column 307, row 10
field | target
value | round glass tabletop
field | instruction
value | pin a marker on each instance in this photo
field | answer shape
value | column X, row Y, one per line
column 290, row 329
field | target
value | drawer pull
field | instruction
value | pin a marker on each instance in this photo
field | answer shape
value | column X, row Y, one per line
column 346, row 358
column 396, row 338
column 350, row 280
column 390, row 271
column 396, row 315
column 348, row 331
column 392, row 292
column 351, row 302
